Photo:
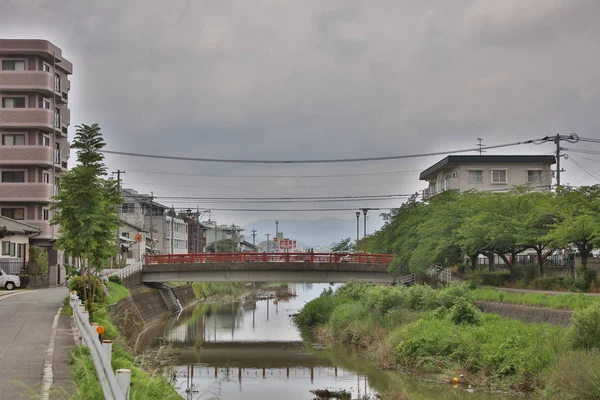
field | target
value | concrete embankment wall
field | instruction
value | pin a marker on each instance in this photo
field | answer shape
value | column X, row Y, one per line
column 133, row 314
column 527, row 314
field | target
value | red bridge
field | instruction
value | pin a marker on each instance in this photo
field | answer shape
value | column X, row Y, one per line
column 269, row 257
column 267, row 267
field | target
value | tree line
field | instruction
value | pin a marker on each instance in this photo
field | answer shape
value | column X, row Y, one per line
column 446, row 228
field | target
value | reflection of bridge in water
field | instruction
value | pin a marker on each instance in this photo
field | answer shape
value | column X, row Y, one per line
column 254, row 355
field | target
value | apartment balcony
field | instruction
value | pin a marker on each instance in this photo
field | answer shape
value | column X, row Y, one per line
column 43, row 48
column 27, row 81
column 26, row 155
column 26, row 192
column 27, row 118
column 446, row 184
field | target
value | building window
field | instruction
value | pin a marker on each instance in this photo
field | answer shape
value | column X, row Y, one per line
column 13, row 102
column 128, row 208
column 475, row 177
column 13, row 140
column 57, row 82
column 57, row 118
column 125, row 234
column 45, row 214
column 45, row 177
column 14, row 213
column 13, row 65
column 21, row 250
column 46, row 103
column 47, row 141
column 8, row 249
column 46, row 67
column 534, row 176
column 499, row 176
column 13, row 176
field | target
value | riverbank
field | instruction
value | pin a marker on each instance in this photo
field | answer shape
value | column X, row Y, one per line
column 126, row 315
column 442, row 335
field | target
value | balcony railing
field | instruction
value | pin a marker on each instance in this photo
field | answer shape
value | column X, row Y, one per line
column 37, row 118
column 27, row 81
column 26, row 191
column 26, row 155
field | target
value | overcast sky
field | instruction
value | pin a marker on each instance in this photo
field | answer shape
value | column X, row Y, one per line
column 273, row 79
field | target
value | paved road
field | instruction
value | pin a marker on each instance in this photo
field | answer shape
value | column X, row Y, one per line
column 550, row 292
column 26, row 321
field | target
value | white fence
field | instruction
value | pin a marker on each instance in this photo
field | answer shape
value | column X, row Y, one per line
column 128, row 270
column 114, row 387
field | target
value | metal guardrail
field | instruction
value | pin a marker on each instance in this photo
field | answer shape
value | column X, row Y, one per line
column 114, row 387
column 446, row 276
column 269, row 257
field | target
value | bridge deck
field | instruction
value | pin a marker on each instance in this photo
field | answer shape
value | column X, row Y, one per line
column 268, row 258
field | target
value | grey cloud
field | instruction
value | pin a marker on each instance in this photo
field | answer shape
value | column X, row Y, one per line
column 314, row 79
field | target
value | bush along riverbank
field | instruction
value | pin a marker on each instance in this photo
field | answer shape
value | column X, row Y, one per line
column 442, row 334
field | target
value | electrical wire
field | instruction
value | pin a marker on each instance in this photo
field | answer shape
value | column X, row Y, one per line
column 276, row 176
column 322, row 161
column 580, row 150
column 287, row 198
column 269, row 187
column 584, row 169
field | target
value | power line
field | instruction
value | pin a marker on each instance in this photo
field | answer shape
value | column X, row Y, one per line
column 295, row 210
column 276, row 176
column 269, row 187
column 287, row 198
column 288, row 201
column 322, row 161
column 580, row 150
column 584, row 169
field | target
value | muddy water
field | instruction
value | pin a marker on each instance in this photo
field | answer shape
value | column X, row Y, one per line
column 253, row 350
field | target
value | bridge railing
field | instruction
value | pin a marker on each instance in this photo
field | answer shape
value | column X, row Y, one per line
column 268, row 257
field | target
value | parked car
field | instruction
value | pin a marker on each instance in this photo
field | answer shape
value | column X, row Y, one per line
column 9, row 282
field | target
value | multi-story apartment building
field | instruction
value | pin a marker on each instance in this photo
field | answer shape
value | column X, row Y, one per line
column 34, row 151
column 488, row 173
column 161, row 230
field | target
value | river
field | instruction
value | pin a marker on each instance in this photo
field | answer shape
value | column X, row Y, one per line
column 253, row 350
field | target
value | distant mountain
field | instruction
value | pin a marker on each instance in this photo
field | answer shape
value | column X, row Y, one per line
column 313, row 233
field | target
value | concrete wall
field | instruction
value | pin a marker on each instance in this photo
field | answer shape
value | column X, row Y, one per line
column 133, row 314
column 527, row 314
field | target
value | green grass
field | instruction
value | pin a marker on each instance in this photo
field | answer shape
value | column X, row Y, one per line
column 558, row 301
column 116, row 292
column 204, row 289
column 441, row 332
column 144, row 385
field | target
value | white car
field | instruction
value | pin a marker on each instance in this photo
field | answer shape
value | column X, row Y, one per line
column 9, row 282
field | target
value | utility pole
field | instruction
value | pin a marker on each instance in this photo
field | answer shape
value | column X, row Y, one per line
column 267, row 235
column 172, row 230
column 119, row 172
column 557, row 141
column 365, row 210
column 277, row 233
column 253, row 231
column 357, row 228
column 151, row 224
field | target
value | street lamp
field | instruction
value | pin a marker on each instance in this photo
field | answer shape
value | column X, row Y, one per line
column 357, row 228
column 365, row 236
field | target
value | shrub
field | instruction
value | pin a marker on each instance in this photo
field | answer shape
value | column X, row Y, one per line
column 494, row 278
column 575, row 377
column 316, row 312
column 354, row 291
column 471, row 284
column 584, row 279
column 449, row 294
column 585, row 332
column 344, row 314
column 40, row 258
column 100, row 292
column 384, row 298
column 115, row 279
column 464, row 312
column 422, row 297
column 525, row 273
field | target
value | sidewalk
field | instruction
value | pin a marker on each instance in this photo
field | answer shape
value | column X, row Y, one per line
column 32, row 350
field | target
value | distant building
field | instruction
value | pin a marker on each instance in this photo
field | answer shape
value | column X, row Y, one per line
column 34, row 151
column 161, row 230
column 488, row 173
column 221, row 232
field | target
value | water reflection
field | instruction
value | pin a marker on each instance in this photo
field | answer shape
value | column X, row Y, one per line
column 252, row 350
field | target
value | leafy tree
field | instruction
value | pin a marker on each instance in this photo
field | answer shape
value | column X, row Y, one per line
column 40, row 258
column 579, row 213
column 85, row 205
column 343, row 245
column 534, row 224
column 223, row 246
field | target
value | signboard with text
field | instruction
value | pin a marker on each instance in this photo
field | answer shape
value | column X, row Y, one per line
column 285, row 244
